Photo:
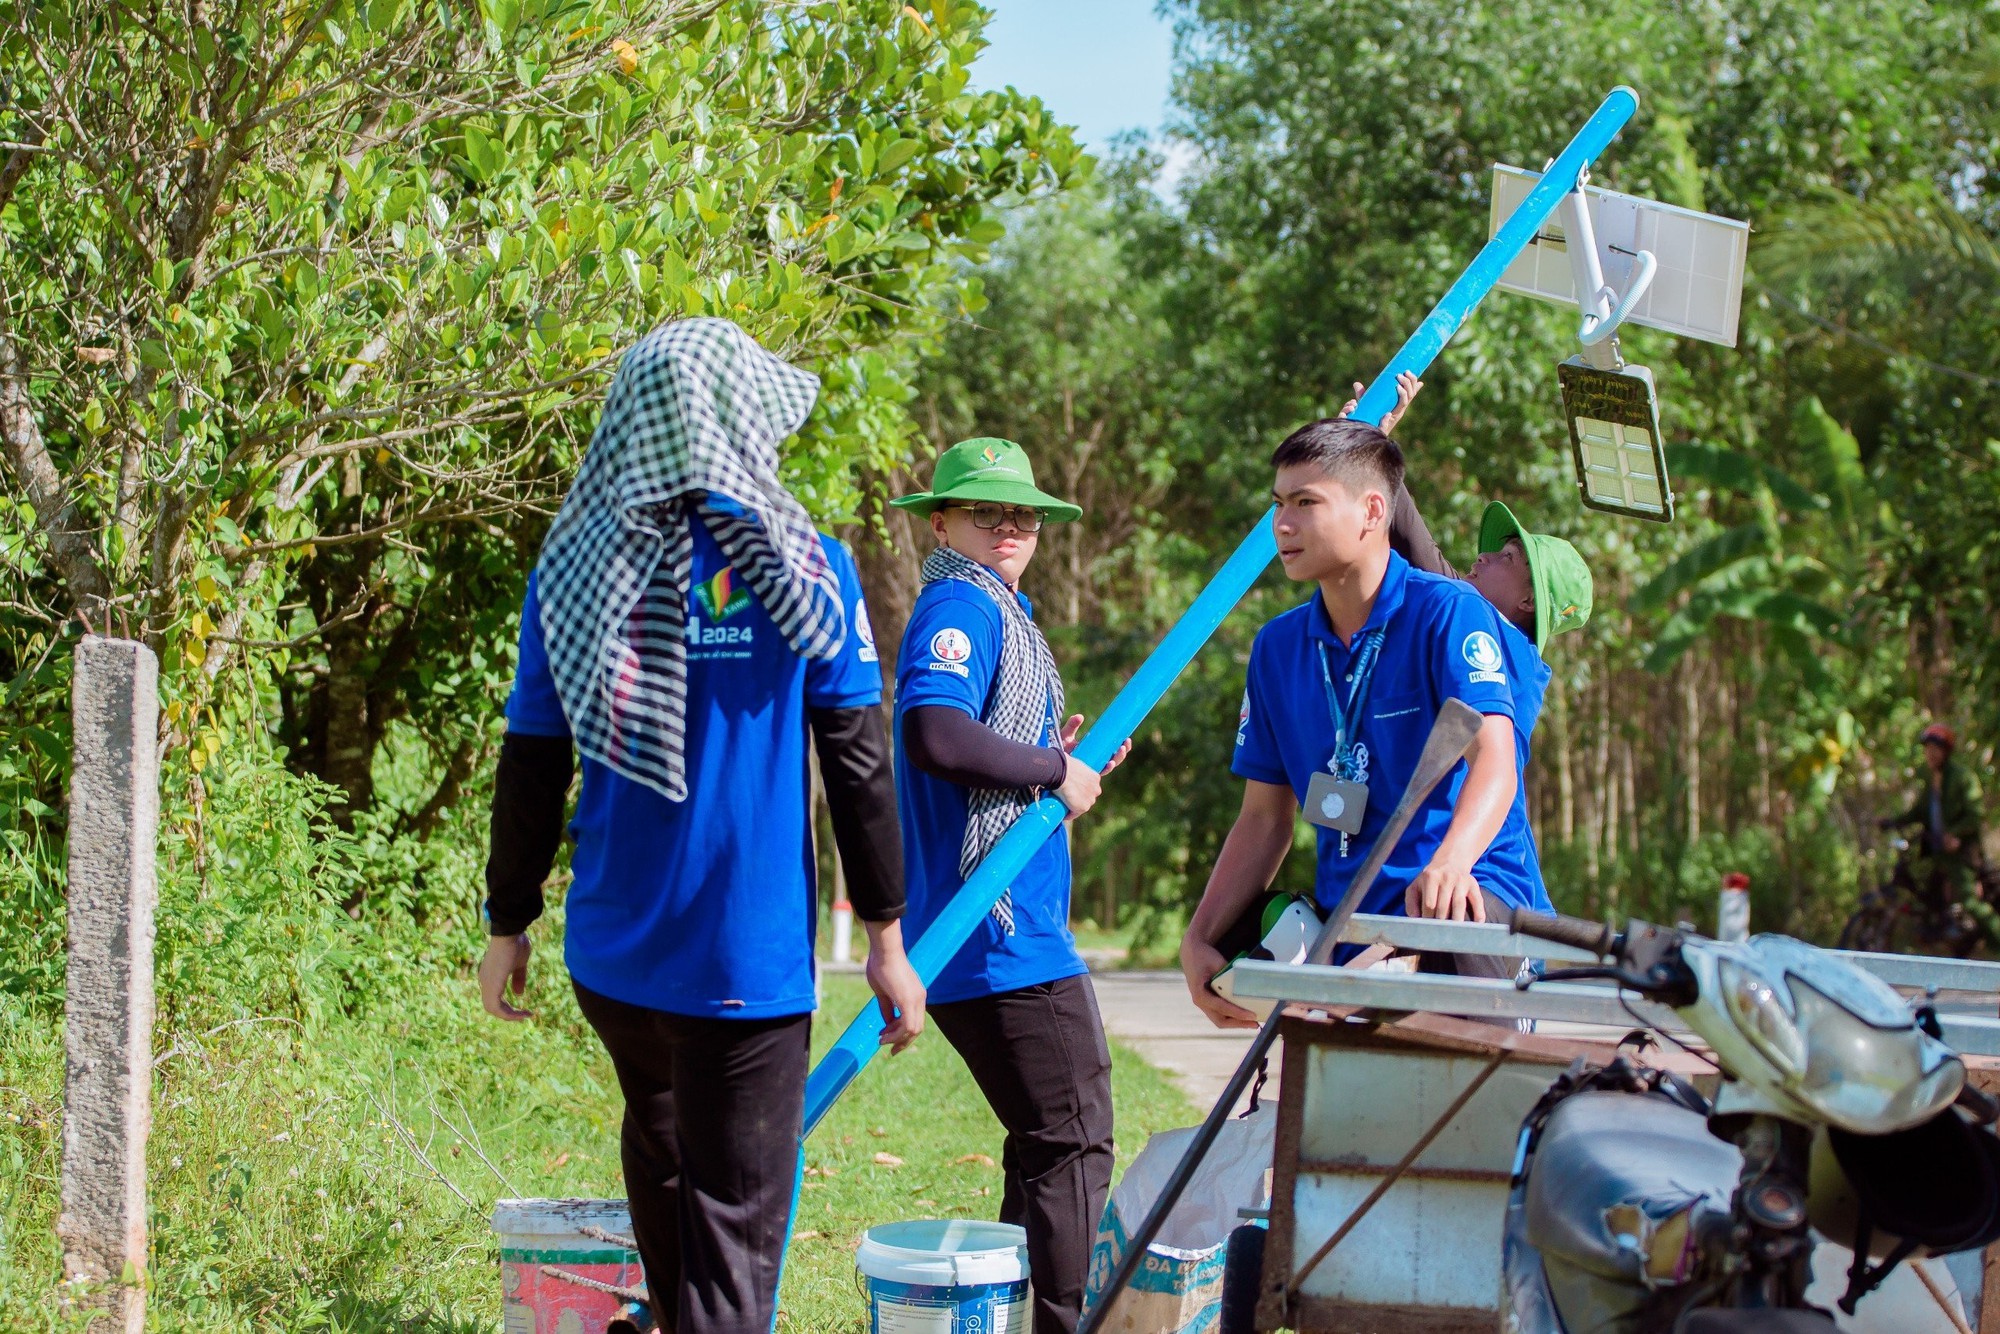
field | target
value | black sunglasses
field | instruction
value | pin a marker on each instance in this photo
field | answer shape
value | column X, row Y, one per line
column 990, row 514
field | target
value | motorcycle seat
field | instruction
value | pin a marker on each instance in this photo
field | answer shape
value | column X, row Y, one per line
column 1610, row 1172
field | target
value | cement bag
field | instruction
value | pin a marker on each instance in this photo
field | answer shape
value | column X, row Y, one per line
column 1179, row 1288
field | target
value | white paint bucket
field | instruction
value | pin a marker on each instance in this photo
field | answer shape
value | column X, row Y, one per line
column 945, row 1276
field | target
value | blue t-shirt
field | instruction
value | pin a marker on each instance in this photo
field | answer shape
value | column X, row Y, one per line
column 1528, row 676
column 707, row 907
column 951, row 656
column 1440, row 640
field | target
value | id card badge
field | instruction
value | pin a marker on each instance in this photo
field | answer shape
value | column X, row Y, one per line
column 1336, row 803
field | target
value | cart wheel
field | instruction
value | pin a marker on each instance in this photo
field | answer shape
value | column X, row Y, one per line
column 1242, row 1275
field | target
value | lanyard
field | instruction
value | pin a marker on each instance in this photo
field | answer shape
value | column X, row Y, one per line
column 1346, row 717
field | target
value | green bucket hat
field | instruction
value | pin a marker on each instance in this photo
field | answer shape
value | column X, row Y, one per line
column 986, row 468
column 1563, row 586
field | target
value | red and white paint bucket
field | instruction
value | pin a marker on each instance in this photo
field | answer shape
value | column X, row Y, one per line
column 563, row 1264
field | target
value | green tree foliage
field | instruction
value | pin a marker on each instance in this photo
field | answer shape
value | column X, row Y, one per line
column 304, row 313
column 1792, row 566
column 1748, row 688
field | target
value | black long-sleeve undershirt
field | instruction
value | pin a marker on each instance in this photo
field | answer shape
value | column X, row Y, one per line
column 1411, row 536
column 853, row 748
column 950, row 744
column 530, row 794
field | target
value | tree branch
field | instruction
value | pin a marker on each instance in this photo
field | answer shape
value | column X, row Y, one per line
column 457, row 769
column 27, row 455
column 17, row 163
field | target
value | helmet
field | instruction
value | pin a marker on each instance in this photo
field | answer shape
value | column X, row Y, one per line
column 1932, row 1189
column 1941, row 734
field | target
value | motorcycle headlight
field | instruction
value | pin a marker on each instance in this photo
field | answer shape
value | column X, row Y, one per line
column 1867, row 1079
column 1763, row 1015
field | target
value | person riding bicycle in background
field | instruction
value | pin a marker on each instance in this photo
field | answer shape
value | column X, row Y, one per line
column 1947, row 862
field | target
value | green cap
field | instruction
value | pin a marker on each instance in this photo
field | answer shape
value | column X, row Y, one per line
column 986, row 468
column 1563, row 586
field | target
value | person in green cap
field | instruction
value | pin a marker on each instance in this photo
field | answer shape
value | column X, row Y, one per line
column 1539, row 584
column 980, row 735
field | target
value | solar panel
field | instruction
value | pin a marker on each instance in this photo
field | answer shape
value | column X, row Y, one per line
column 1697, row 288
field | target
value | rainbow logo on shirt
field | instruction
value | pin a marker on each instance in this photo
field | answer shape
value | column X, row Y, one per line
column 720, row 596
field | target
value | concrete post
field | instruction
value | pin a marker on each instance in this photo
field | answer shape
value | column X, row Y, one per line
column 108, row 1037
column 1732, row 914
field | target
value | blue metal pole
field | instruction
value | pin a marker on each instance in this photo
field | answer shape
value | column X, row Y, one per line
column 949, row 931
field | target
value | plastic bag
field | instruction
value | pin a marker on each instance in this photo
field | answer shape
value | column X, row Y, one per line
column 1179, row 1288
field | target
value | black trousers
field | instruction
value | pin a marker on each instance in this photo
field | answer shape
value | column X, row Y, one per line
column 1039, row 1056
column 710, row 1143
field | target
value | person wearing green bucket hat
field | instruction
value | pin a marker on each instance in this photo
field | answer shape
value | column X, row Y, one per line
column 980, row 733
column 988, row 471
column 1539, row 583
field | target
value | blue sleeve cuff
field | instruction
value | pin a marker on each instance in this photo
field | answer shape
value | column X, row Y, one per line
column 1494, row 704
column 1257, row 773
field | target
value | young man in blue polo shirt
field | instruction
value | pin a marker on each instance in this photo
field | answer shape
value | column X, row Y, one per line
column 1340, row 698
column 686, row 629
column 1540, row 586
column 980, row 733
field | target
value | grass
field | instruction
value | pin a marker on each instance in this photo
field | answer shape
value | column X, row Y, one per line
column 342, row 1180
column 920, row 1107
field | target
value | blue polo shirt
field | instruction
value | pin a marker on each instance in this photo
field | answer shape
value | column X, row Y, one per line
column 1440, row 640
column 707, row 907
column 951, row 656
column 1528, row 677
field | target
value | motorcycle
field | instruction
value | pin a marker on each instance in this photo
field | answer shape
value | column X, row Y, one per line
column 1638, row 1206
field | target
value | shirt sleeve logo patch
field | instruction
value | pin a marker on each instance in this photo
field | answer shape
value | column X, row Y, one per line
column 1243, row 721
column 950, row 648
column 864, row 630
column 1482, row 654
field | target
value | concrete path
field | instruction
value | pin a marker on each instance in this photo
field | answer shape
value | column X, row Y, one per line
column 1150, row 1012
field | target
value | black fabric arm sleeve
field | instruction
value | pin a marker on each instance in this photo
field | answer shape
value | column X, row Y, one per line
column 853, row 748
column 530, row 792
column 1411, row 536
column 949, row 744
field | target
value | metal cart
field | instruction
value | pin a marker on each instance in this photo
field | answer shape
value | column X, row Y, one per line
column 1399, row 1111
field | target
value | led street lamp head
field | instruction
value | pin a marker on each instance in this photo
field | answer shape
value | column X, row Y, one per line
column 1614, row 437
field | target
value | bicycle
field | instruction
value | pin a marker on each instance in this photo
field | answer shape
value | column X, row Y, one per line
column 1900, row 916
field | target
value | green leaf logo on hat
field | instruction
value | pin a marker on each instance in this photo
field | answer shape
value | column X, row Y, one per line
column 986, row 468
column 1563, row 586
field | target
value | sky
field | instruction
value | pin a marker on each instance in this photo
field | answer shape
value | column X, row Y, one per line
column 1100, row 65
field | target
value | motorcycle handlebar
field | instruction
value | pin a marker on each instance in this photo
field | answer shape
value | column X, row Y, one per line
column 1596, row 937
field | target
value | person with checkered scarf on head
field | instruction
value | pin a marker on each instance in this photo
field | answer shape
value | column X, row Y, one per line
column 981, row 735
column 687, row 630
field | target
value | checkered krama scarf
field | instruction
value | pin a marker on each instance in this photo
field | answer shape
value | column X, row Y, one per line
column 691, row 428
column 1027, row 697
